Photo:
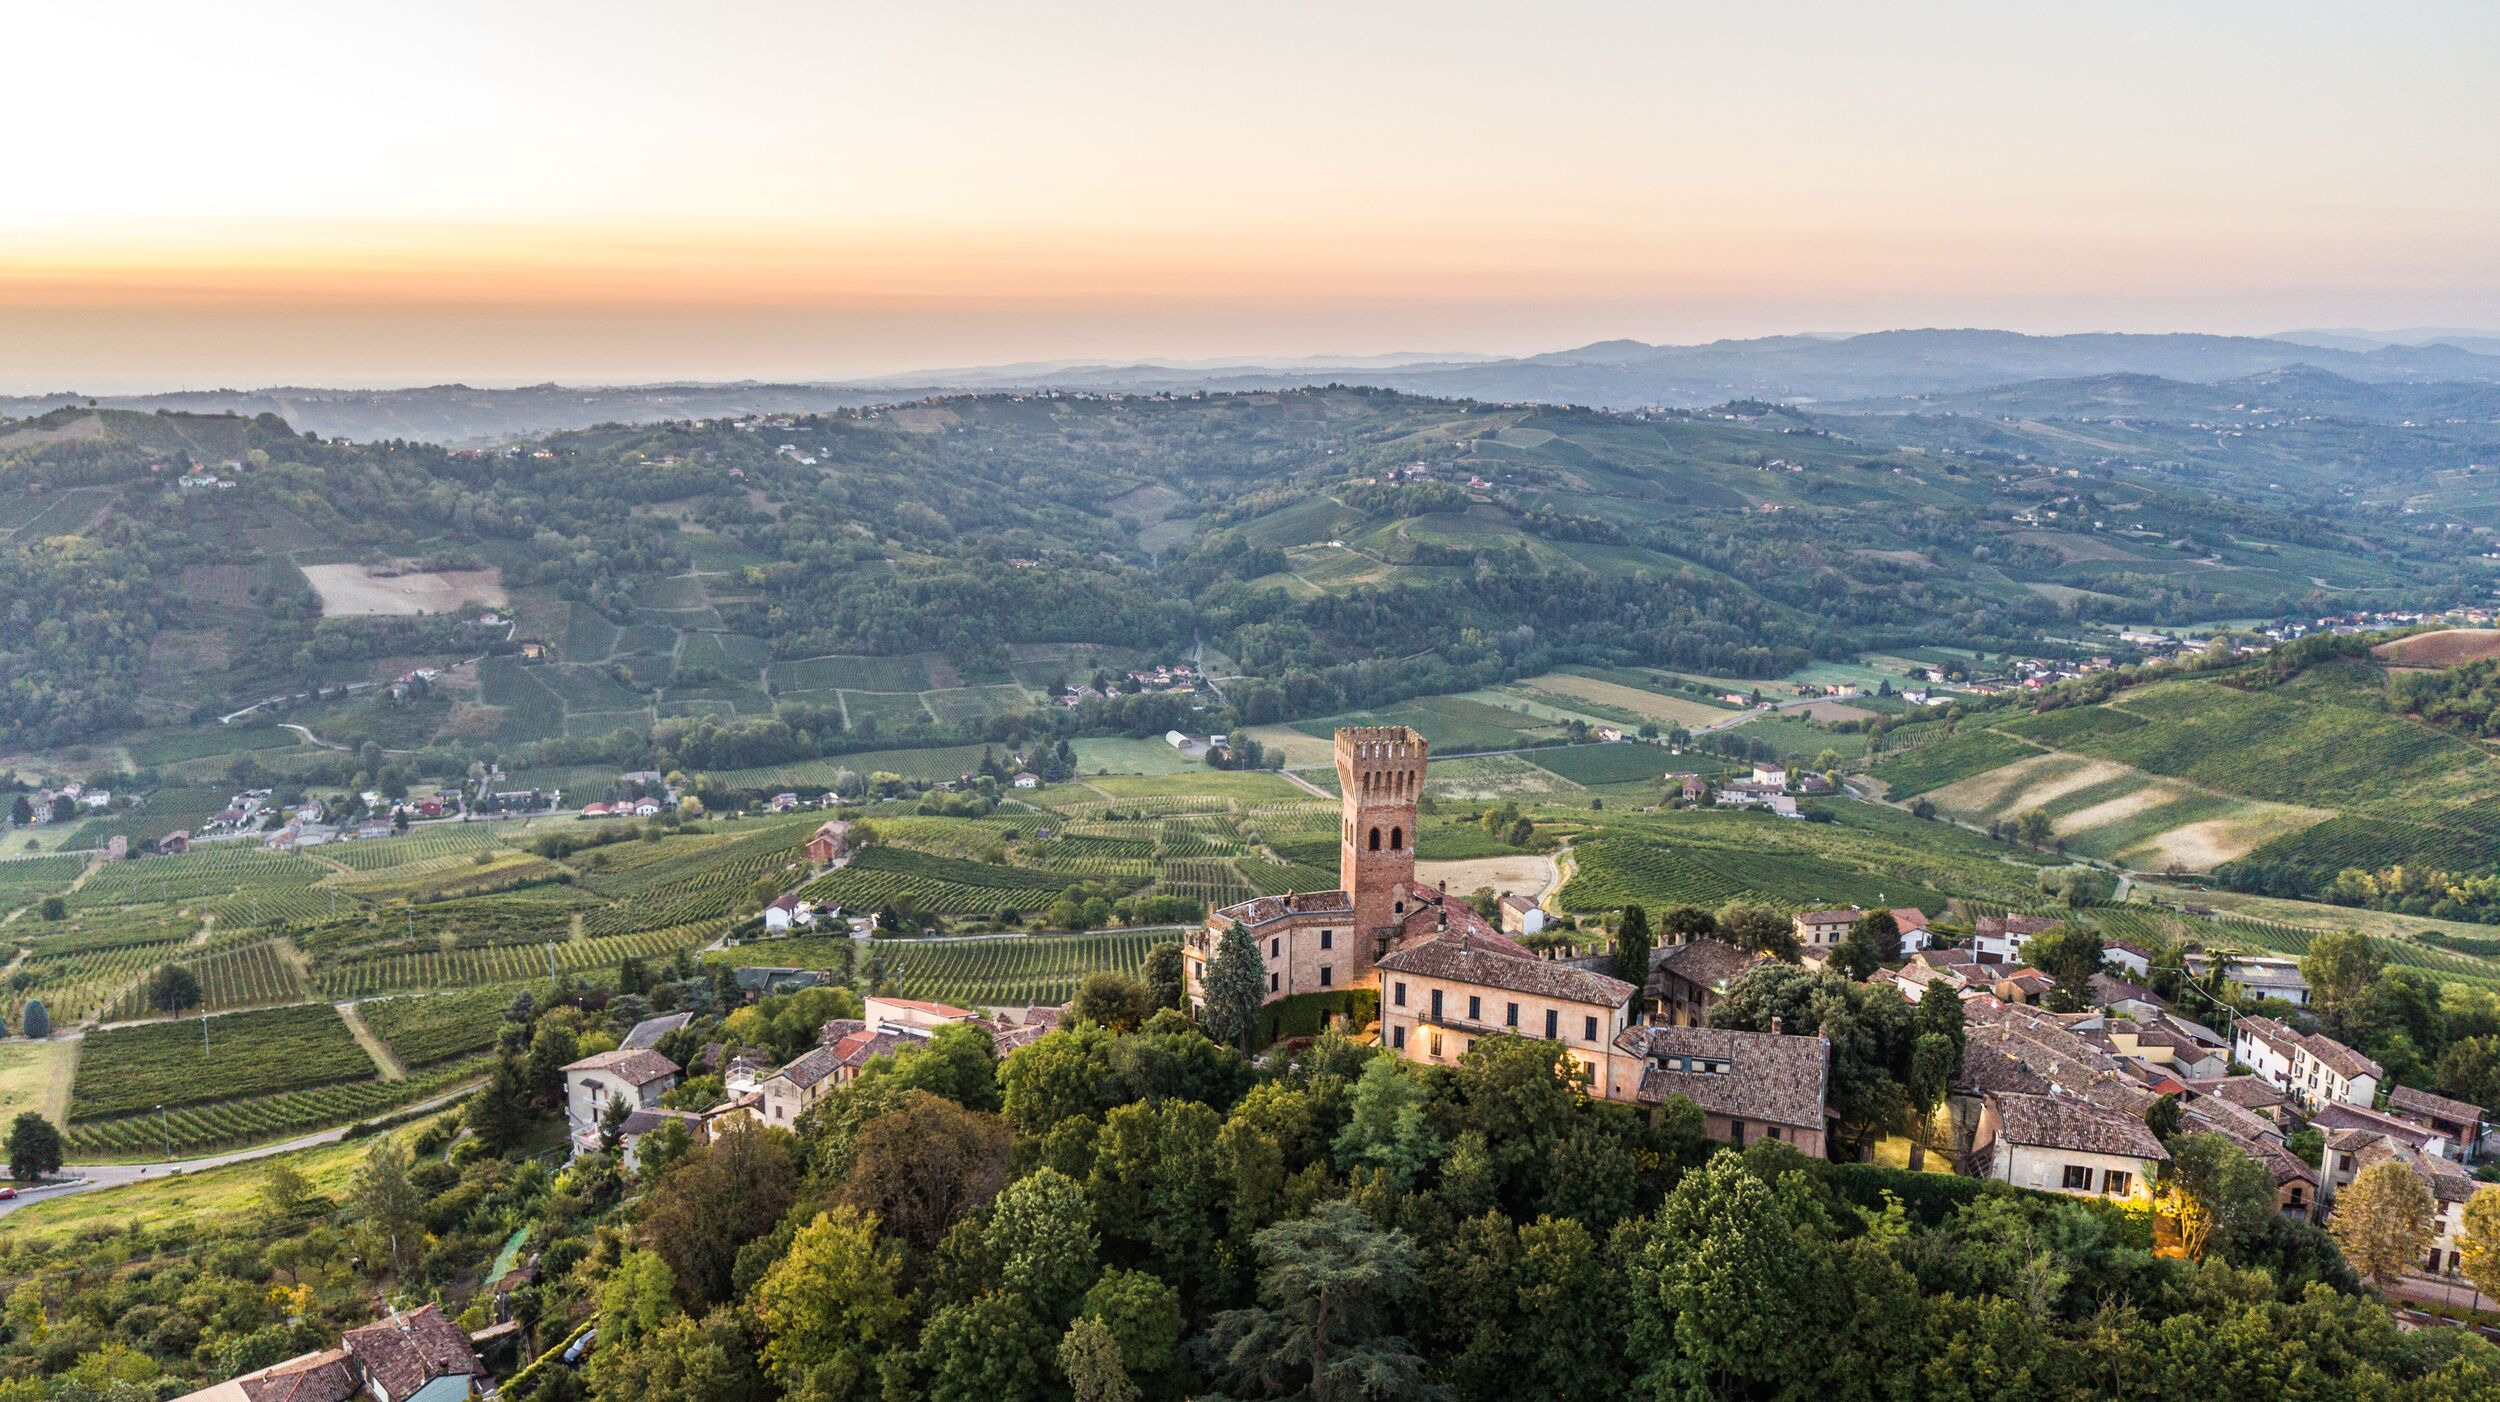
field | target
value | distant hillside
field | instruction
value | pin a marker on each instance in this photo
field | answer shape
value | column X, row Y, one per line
column 1884, row 365
column 2275, row 784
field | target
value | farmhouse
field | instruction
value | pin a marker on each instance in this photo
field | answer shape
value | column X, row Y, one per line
column 830, row 843
column 1521, row 915
column 1819, row 930
column 2003, row 936
column 2066, row 1144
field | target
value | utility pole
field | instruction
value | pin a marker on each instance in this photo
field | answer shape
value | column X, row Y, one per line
column 166, row 1130
column 203, row 1028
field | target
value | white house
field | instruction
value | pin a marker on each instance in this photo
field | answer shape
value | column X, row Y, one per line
column 1771, row 774
column 2065, row 1144
column 1521, row 915
column 2314, row 1070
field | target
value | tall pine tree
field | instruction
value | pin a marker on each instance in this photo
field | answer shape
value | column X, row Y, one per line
column 1236, row 986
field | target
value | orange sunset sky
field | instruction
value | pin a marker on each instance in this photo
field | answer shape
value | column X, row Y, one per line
column 327, row 194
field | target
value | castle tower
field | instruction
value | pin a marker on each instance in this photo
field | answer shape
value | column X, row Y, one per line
column 1380, row 773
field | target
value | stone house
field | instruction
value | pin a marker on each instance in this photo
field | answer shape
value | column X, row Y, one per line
column 638, row 1077
column 1749, row 1086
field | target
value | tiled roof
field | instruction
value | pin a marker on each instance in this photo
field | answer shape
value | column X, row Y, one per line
column 1707, row 962
column 2070, row 1122
column 1829, row 917
column 811, row 1068
column 1910, row 919
column 2447, row 1182
column 315, row 1377
column 2341, row 1059
column 650, row 1030
column 635, row 1068
column 1463, row 956
column 2247, row 1092
column 1772, row 1078
column 2025, row 925
column 2108, row 989
column 1987, row 1067
column 933, row 1009
column 409, row 1350
column 2338, row 1114
column 2422, row 1102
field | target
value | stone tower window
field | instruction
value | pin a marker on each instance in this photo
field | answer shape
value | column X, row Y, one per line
column 1375, row 839
column 1397, row 839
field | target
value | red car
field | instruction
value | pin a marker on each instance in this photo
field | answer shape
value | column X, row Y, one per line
column 7, row 1193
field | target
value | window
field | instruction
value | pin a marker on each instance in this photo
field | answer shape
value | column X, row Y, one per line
column 2117, row 1182
column 1375, row 839
column 1736, row 1133
column 1397, row 839
column 1511, row 1020
column 1397, row 1038
column 1435, row 1044
column 2078, row 1178
column 1773, row 1131
column 1275, row 948
column 1551, row 1017
column 1397, row 995
column 1588, row 1029
column 1327, row 939
column 1327, row 975
column 1475, row 1008
column 1436, row 1004
column 1271, row 983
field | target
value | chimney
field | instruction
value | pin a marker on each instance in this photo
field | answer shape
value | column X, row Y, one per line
column 1776, row 1023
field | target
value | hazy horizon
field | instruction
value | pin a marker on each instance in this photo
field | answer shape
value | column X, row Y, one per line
column 623, row 194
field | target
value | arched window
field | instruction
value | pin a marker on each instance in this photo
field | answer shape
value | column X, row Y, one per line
column 1375, row 839
column 1397, row 839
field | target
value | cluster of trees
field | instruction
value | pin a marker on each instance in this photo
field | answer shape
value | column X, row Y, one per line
column 1111, row 1215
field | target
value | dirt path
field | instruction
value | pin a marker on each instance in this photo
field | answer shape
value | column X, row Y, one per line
column 1306, row 785
column 64, row 1076
column 374, row 1046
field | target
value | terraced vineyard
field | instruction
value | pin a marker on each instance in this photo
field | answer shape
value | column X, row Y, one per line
column 1940, row 759
column 408, row 970
column 234, row 1124
column 79, row 973
column 424, row 844
column 941, row 884
column 129, row 1069
column 24, row 879
column 425, row 1029
column 257, row 975
column 206, row 871
column 1010, row 971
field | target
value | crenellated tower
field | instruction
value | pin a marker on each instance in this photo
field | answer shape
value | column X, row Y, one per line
column 1380, row 774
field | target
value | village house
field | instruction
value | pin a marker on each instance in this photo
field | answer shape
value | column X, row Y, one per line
column 1441, row 993
column 2065, row 1144
column 2127, row 956
column 2352, row 1150
column 638, row 1077
column 1774, row 775
column 1818, row 930
column 648, row 1032
column 2315, row 1070
column 793, row 1090
column 2003, row 936
column 2262, row 976
column 2460, row 1121
column 1758, row 795
column 1687, row 980
column 1749, row 1086
column 407, row 1356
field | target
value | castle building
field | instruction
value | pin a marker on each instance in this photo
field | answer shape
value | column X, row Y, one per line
column 1447, row 978
column 1321, row 941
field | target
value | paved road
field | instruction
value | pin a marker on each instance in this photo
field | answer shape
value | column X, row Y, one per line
column 114, row 1175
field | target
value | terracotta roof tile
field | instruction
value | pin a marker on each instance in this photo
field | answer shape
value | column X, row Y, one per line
column 1772, row 1078
column 2071, row 1122
column 409, row 1350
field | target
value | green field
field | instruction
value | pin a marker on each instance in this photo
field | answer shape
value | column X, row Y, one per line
column 1709, row 857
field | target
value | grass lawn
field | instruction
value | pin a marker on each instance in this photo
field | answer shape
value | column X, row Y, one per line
column 35, row 1076
column 207, row 1199
column 1124, row 756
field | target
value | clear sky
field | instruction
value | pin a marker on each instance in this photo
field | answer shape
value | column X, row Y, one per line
column 253, row 193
